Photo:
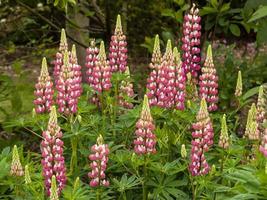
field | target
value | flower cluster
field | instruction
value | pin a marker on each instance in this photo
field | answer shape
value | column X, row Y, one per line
column 191, row 41
column 118, row 49
column 91, row 58
column 43, row 91
column 68, row 93
column 155, row 64
column 27, row 176
column 126, row 91
column 180, row 81
column 16, row 167
column 263, row 146
column 101, row 73
column 77, row 74
column 52, row 154
column 202, row 141
column 145, row 142
column 63, row 46
column 99, row 158
column 239, row 85
column 252, row 130
column 209, row 82
column 224, row 137
column 261, row 109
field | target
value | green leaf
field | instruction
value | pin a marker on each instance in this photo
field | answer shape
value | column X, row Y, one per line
column 260, row 13
column 225, row 7
column 168, row 13
column 207, row 10
column 235, row 30
column 214, row 3
column 250, row 93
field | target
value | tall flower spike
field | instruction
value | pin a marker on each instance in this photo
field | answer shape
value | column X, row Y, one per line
column 118, row 49
column 27, row 175
column 152, row 81
column 166, row 79
column 91, row 58
column 261, row 110
column 126, row 91
column 77, row 74
column 145, row 142
column 209, row 82
column 99, row 159
column 53, row 161
column 63, row 46
column 191, row 41
column 263, row 146
column 239, row 85
column 43, row 90
column 16, row 167
column 180, row 79
column 252, row 129
column 202, row 141
column 224, row 137
column 54, row 189
column 67, row 97
column 102, row 72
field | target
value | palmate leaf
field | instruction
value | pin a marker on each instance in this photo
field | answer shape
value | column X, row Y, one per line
column 126, row 183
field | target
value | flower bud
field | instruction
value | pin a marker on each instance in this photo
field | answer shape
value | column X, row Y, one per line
column 183, row 151
column 239, row 85
column 16, row 167
column 27, row 175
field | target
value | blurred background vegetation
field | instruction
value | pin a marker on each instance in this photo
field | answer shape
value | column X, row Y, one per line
column 30, row 29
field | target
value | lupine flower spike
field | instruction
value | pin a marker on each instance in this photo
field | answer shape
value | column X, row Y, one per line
column 54, row 189
column 261, row 110
column 63, row 46
column 152, row 84
column 91, row 59
column 102, row 72
column 118, row 49
column 191, row 41
column 67, row 97
column 43, row 91
column 183, row 151
column 145, row 142
column 53, row 161
column 252, row 129
column 263, row 146
column 202, row 141
column 99, row 159
column 16, row 167
column 239, row 85
column 209, row 82
column 224, row 137
column 126, row 91
column 179, row 81
column 166, row 79
column 27, row 175
column 77, row 74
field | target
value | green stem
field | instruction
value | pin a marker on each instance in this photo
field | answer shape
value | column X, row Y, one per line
column 222, row 162
column 73, row 161
column 145, row 177
column 115, row 106
column 98, row 197
column 103, row 114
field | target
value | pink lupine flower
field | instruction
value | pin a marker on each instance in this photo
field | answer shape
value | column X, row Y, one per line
column 145, row 142
column 43, row 91
column 166, row 79
column 209, row 82
column 67, row 97
column 63, row 46
column 77, row 74
column 99, row 159
column 202, row 141
column 53, row 161
column 191, row 41
column 101, row 72
column 118, row 49
column 263, row 146
column 91, row 58
column 126, row 90
column 180, row 81
column 152, row 84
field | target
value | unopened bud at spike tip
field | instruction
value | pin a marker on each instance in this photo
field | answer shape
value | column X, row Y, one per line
column 73, row 51
column 27, row 175
column 239, row 85
column 54, row 189
column 44, row 70
column 102, row 52
column 16, row 167
column 183, row 151
column 209, row 52
column 118, row 24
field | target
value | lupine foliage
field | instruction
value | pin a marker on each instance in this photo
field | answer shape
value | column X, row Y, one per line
column 138, row 149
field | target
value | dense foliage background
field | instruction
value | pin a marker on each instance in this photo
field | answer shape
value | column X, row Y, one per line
column 30, row 30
